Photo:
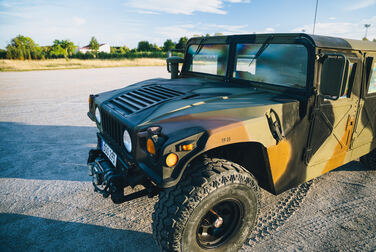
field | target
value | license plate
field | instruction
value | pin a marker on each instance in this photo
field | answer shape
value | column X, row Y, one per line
column 109, row 153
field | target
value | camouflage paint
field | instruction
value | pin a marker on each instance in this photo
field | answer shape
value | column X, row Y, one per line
column 279, row 157
column 340, row 151
column 229, row 113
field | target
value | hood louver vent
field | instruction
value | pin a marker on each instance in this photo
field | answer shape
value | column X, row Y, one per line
column 142, row 98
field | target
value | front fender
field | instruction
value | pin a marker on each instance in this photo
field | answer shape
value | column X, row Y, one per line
column 253, row 130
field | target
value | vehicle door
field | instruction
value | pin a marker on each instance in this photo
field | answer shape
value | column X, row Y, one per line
column 333, row 121
column 365, row 130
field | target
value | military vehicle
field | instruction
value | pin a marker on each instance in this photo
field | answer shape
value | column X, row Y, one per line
column 244, row 112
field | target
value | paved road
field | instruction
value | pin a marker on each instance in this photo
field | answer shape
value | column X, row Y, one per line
column 47, row 201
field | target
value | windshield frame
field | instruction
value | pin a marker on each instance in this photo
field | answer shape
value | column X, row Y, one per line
column 234, row 40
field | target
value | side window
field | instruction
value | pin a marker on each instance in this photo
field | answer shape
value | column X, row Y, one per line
column 350, row 76
column 372, row 83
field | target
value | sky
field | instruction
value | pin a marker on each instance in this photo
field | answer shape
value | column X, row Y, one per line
column 126, row 22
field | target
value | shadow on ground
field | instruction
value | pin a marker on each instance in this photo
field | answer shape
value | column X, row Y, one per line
column 45, row 152
column 352, row 166
column 28, row 233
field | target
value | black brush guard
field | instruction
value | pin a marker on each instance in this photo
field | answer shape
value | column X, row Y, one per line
column 107, row 180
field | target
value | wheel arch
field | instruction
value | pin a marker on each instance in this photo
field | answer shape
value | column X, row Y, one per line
column 250, row 155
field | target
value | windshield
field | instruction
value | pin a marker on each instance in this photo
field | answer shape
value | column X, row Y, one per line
column 209, row 59
column 279, row 64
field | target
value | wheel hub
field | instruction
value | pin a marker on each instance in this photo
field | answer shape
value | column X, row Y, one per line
column 219, row 223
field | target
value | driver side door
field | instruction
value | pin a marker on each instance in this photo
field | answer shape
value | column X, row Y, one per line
column 333, row 124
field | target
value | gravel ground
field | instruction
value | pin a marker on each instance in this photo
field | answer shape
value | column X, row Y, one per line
column 47, row 201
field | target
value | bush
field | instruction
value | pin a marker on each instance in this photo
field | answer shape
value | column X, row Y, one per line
column 80, row 55
column 3, row 54
column 131, row 55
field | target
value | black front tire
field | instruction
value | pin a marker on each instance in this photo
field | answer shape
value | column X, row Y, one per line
column 369, row 160
column 211, row 190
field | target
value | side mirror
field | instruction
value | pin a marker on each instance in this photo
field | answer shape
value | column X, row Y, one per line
column 173, row 65
column 333, row 73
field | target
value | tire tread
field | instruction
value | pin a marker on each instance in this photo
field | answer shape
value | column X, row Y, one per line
column 175, row 204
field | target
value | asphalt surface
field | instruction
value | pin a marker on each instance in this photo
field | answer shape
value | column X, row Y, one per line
column 47, row 200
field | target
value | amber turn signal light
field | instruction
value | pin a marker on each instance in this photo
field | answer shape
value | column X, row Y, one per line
column 187, row 147
column 171, row 159
column 150, row 147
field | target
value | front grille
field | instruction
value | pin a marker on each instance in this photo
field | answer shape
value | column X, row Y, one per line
column 111, row 127
column 142, row 98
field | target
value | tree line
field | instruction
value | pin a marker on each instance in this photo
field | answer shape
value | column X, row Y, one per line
column 24, row 48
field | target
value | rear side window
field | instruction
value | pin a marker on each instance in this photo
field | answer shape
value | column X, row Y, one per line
column 372, row 83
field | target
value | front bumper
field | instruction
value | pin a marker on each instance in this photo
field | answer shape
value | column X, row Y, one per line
column 109, row 180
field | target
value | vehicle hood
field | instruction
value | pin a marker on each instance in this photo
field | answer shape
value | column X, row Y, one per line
column 197, row 99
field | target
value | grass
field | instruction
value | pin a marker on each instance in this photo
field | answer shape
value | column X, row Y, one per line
column 53, row 64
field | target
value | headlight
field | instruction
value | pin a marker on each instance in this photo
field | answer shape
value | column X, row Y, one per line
column 127, row 141
column 171, row 159
column 98, row 115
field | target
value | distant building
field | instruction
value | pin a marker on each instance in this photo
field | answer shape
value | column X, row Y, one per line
column 102, row 48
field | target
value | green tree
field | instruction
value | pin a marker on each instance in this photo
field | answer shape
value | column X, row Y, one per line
column 168, row 45
column 62, row 48
column 365, row 39
column 144, row 46
column 94, row 45
column 155, row 48
column 119, row 49
column 22, row 48
column 68, row 46
column 182, row 43
column 374, row 40
column 125, row 49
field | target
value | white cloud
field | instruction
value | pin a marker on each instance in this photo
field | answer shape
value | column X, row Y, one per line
column 78, row 20
column 227, row 28
column 6, row 5
column 269, row 30
column 175, row 32
column 356, row 5
column 332, row 18
column 189, row 30
column 239, row 1
column 15, row 14
column 342, row 29
column 183, row 7
column 147, row 12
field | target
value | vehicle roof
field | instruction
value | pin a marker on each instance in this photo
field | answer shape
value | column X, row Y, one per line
column 342, row 43
column 317, row 40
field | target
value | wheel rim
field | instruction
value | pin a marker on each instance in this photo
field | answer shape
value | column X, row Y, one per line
column 220, row 223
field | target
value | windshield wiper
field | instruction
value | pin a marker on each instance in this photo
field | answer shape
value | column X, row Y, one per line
column 262, row 48
column 200, row 46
